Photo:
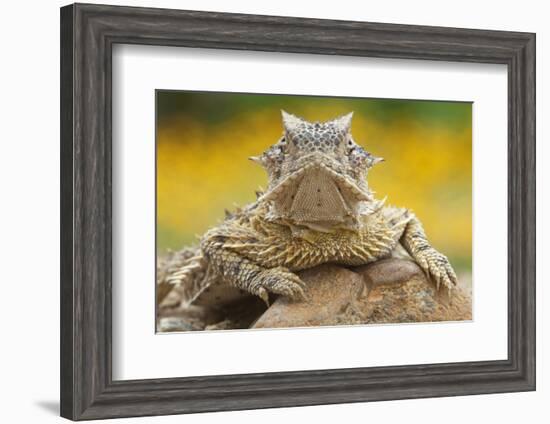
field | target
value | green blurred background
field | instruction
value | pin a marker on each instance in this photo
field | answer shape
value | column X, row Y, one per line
column 204, row 140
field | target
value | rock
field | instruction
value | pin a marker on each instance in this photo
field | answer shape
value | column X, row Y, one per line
column 172, row 324
column 386, row 291
column 333, row 293
column 389, row 271
column 400, row 292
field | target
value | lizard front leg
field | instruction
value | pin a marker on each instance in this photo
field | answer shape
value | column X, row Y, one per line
column 221, row 247
column 434, row 263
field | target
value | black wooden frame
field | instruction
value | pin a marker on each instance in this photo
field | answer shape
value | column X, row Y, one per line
column 88, row 33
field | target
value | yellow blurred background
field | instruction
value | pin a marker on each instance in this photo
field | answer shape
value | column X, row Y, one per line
column 204, row 140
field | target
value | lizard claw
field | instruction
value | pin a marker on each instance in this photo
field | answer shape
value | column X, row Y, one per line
column 280, row 281
column 264, row 295
column 439, row 269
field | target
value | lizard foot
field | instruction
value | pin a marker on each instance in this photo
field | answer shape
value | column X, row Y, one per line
column 280, row 281
column 438, row 268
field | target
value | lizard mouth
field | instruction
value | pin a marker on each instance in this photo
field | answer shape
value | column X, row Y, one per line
column 318, row 197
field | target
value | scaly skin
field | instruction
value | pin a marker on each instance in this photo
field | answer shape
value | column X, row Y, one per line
column 259, row 248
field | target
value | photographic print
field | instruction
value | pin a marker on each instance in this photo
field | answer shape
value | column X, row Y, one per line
column 280, row 211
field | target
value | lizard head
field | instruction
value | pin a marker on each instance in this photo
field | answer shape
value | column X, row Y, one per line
column 317, row 175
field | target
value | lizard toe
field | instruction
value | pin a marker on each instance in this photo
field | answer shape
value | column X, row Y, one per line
column 282, row 282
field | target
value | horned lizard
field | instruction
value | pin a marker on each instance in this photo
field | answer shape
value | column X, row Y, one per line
column 317, row 208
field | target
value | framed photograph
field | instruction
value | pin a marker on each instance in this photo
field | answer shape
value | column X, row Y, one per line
column 264, row 211
column 358, row 260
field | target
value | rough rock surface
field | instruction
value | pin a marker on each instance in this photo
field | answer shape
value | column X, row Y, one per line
column 386, row 291
column 334, row 294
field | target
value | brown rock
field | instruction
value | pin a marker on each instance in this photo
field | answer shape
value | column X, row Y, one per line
column 389, row 271
column 332, row 292
column 400, row 292
column 387, row 291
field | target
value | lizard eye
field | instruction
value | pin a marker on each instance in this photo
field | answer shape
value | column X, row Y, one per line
column 359, row 157
column 282, row 145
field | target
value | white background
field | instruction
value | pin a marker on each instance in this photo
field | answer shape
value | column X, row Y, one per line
column 29, row 177
column 139, row 70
